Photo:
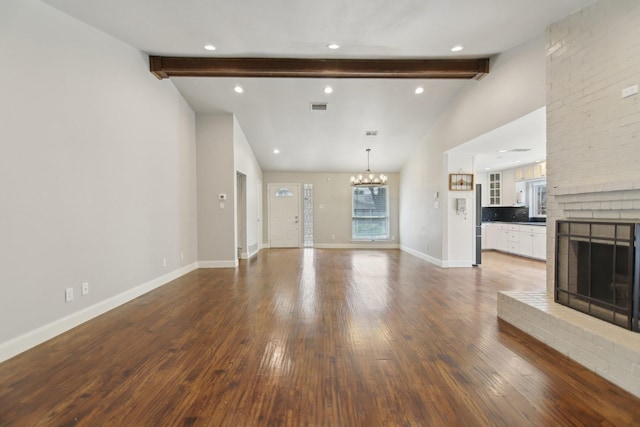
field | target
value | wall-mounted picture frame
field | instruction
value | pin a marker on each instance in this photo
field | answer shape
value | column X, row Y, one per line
column 460, row 181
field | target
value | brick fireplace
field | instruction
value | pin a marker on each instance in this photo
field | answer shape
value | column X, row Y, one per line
column 593, row 141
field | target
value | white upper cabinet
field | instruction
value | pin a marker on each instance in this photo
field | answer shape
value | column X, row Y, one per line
column 529, row 172
column 495, row 189
column 508, row 188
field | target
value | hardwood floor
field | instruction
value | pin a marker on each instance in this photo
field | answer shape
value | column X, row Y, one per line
column 313, row 338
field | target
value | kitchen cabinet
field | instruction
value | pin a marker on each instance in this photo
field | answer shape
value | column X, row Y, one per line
column 539, row 250
column 517, row 239
column 495, row 189
column 529, row 172
column 536, row 241
column 540, row 170
column 513, row 238
column 526, row 244
column 491, row 234
column 524, row 173
column 508, row 188
column 497, row 236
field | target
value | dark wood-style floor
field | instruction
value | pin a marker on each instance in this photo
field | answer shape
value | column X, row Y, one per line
column 318, row 338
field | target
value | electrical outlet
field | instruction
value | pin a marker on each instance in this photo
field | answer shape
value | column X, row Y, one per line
column 181, row 255
column 68, row 295
column 85, row 288
column 164, row 262
column 629, row 91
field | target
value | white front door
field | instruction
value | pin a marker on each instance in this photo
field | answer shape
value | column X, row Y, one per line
column 284, row 215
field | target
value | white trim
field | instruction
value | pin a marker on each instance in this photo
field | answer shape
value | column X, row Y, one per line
column 218, row 264
column 265, row 246
column 363, row 245
column 456, row 264
column 252, row 254
column 246, row 255
column 422, row 256
column 17, row 345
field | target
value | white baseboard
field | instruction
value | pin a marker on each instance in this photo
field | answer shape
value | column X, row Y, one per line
column 249, row 255
column 422, row 256
column 363, row 245
column 456, row 264
column 252, row 254
column 218, row 264
column 44, row 333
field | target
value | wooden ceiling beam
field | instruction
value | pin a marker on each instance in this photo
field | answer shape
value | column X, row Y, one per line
column 164, row 67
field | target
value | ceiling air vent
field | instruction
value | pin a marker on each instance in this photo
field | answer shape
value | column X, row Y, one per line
column 520, row 150
column 318, row 106
column 371, row 133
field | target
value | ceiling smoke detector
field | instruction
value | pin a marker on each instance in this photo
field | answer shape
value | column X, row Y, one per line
column 318, row 106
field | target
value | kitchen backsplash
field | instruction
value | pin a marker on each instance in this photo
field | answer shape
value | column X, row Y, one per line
column 506, row 214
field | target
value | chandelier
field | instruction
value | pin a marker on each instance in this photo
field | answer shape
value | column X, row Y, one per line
column 368, row 178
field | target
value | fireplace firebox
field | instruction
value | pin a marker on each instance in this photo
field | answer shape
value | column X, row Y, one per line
column 597, row 270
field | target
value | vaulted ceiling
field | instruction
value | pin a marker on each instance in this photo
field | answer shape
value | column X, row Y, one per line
column 275, row 112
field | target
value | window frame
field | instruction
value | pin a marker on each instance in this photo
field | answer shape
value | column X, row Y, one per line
column 387, row 223
column 535, row 202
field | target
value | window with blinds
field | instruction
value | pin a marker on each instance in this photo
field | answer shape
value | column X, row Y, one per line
column 370, row 213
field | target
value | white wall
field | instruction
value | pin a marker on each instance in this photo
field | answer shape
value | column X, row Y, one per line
column 461, row 226
column 514, row 87
column 97, row 173
column 332, row 206
column 223, row 150
column 216, row 175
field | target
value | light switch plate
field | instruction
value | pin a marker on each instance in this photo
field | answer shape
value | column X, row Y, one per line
column 629, row 91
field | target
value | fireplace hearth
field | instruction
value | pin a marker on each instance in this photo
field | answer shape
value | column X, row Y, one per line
column 597, row 270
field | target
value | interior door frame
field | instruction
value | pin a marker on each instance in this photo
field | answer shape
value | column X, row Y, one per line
column 269, row 189
column 242, row 250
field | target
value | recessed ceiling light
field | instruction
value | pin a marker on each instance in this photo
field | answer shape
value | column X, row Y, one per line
column 502, row 151
column 517, row 161
column 487, row 169
column 419, row 90
column 457, row 48
column 333, row 46
column 209, row 47
column 238, row 89
column 276, row 151
column 328, row 89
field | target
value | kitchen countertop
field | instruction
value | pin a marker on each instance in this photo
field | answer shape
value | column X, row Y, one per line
column 539, row 224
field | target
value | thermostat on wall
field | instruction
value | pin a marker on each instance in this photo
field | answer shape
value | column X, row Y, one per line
column 222, row 196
